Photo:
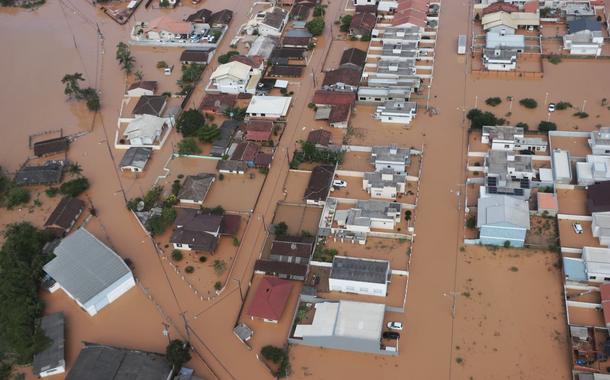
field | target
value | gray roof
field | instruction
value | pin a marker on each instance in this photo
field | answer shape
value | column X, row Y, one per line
column 243, row 331
column 227, row 129
column 231, row 165
column 502, row 132
column 503, row 210
column 150, row 105
column 498, row 162
column 391, row 153
column 136, row 157
column 196, row 187
column 589, row 23
column 397, row 68
column 99, row 362
column 52, row 356
column 39, row 175
column 403, row 50
column 500, row 54
column 363, row 270
column 84, row 266
column 376, row 208
column 275, row 18
column 198, row 220
column 297, row 33
column 385, row 177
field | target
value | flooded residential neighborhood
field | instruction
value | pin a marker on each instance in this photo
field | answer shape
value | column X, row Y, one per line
column 305, row 189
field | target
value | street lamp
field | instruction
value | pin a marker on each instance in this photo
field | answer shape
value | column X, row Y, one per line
column 165, row 331
column 546, row 98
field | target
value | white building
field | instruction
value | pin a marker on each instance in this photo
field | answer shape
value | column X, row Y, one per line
column 601, row 227
column 360, row 276
column 595, row 169
column 562, row 170
column 234, row 78
column 88, row 271
column 495, row 40
column 597, row 263
column 385, row 184
column 509, row 138
column 398, row 112
column 269, row 22
column 585, row 36
column 391, row 157
column 268, row 107
column 500, row 59
column 144, row 131
column 162, row 28
column 369, row 214
column 600, row 141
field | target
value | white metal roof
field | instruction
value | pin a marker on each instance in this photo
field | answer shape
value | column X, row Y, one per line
column 272, row 105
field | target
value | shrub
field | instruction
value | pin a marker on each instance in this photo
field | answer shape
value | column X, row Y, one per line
column 161, row 64
column 51, row 191
column 522, row 125
column 280, row 229
column 190, row 122
column 581, row 114
column 563, row 105
column 471, row 222
column 208, row 133
column 493, row 101
column 221, row 177
column 189, row 269
column 546, row 126
column 528, row 103
column 188, row 146
column 507, row 244
column 177, row 353
column 315, row 26
column 177, row 255
column 16, row 196
column 203, row 259
column 219, row 266
column 554, row 59
column 222, row 59
column 74, row 187
column 345, row 23
column 479, row 118
column 217, row 285
column 158, row 224
column 235, row 242
column 273, row 354
column 408, row 215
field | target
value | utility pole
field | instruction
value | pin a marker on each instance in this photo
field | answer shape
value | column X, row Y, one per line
column 476, row 101
column 453, row 295
column 241, row 295
column 584, row 103
column 186, row 327
column 165, row 332
column 546, row 98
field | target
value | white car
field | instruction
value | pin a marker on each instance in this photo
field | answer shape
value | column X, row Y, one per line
column 339, row 184
column 551, row 107
column 395, row 326
column 577, row 228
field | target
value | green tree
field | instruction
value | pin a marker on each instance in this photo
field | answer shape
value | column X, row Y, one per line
column 346, row 21
column 190, row 122
column 74, row 187
column 190, row 75
column 17, row 196
column 225, row 58
column 522, row 125
column 75, row 168
column 493, row 101
column 219, row 266
column 546, row 126
column 177, row 354
column 319, row 11
column 72, row 87
column 528, row 103
column 315, row 26
column 188, row 146
column 208, row 133
column 471, row 222
column 235, row 113
column 479, row 118
column 91, row 98
column 123, row 55
column 280, row 229
column 157, row 224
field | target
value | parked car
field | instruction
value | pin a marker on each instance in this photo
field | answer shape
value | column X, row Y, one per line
column 338, row 183
column 390, row 335
column 395, row 326
column 551, row 107
column 577, row 228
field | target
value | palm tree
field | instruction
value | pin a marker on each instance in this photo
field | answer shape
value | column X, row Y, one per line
column 75, row 168
column 123, row 55
column 72, row 87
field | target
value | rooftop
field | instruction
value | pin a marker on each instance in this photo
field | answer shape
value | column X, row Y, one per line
column 333, row 97
column 198, row 220
column 39, row 175
column 504, row 211
column 353, row 56
column 196, row 187
column 136, row 157
column 280, row 267
column 270, row 298
column 344, row 75
column 362, row 270
column 277, row 105
column 149, row 105
column 319, row 137
column 579, row 24
column 319, row 183
column 56, row 145
column 598, row 197
column 391, row 153
column 64, row 214
column 53, row 355
column 296, row 246
column 198, row 56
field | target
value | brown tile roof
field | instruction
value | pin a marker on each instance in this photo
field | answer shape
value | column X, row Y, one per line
column 363, row 22
column 280, row 268
column 289, row 52
column 339, row 113
column 51, row 146
column 296, row 41
column 319, row 183
column 254, row 61
column 319, row 137
column 263, row 160
column 217, row 103
column 150, row 85
column 197, row 56
column 366, row 9
column 65, row 214
column 259, row 130
column 149, row 105
column 342, row 75
column 333, row 97
column 201, row 16
column 270, row 298
column 245, row 151
column 295, row 246
column 500, row 6
column 230, row 224
column 286, row 71
column 354, row 56
column 221, row 17
column 598, row 197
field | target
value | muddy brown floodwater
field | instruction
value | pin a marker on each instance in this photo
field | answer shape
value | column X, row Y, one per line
column 62, row 37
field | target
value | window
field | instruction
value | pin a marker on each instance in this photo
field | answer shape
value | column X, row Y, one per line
column 263, row 115
column 506, row 146
column 179, row 245
column 378, row 99
column 591, row 277
column 606, row 278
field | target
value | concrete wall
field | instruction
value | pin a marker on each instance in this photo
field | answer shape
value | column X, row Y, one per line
column 358, row 287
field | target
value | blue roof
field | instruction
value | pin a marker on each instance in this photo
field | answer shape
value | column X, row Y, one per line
column 574, row 269
column 584, row 23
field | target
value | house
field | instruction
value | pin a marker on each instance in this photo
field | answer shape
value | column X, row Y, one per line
column 292, row 71
column 495, row 40
column 246, row 152
column 135, row 159
column 333, row 106
column 64, row 216
column 255, row 61
column 51, row 360
column 259, row 130
column 547, row 203
column 385, row 184
column 601, row 227
column 144, row 131
column 292, row 249
column 341, row 79
column 263, row 160
column 300, row 12
column 142, row 88
column 268, row 107
column 410, row 13
column 507, row 173
column 227, row 129
column 597, row 263
column 396, row 111
column 88, row 271
column 51, row 146
column 217, row 103
column 380, row 95
column 574, row 270
column 150, row 105
column 195, row 188
column 598, row 197
column 97, row 362
column 560, row 162
column 362, row 24
column 47, row 174
column 500, row 6
column 263, row 46
column 354, row 58
column 283, row 54
column 200, row 57
column 508, row 22
column 196, row 230
column 297, row 38
column 509, row 138
column 319, row 184
column 320, row 138
column 360, row 276
column 234, row 78
column 221, row 18
column 343, row 325
column 502, row 219
column 391, row 157
column 163, row 29
column 202, row 16
column 584, row 36
column 600, row 141
column 594, row 169
column 231, row 167
column 270, row 299
column 501, row 59
column 369, row 214
column 281, row 269
column 269, row 22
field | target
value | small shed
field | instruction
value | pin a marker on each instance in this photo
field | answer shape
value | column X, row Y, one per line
column 547, row 204
column 51, row 146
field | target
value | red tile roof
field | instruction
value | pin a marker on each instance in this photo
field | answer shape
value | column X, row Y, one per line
column 270, row 298
column 345, row 75
column 263, row 160
column 500, row 6
column 410, row 16
column 254, row 61
column 333, row 97
column 364, row 22
column 245, row 151
column 531, row 6
column 604, row 290
column 217, row 102
column 606, row 309
column 259, row 130
column 339, row 113
column 319, row 136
